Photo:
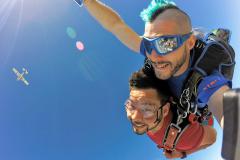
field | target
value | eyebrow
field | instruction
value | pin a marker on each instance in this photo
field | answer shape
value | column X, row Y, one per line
column 143, row 102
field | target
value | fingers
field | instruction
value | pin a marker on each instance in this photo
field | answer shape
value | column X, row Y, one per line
column 171, row 155
column 79, row 2
column 167, row 154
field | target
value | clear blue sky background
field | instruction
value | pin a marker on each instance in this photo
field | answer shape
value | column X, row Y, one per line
column 73, row 107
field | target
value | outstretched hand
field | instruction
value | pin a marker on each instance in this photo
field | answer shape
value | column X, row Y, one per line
column 171, row 155
column 79, row 2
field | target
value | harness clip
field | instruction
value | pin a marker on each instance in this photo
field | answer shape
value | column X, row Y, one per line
column 172, row 125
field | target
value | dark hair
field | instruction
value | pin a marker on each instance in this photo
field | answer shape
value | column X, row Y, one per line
column 161, row 10
column 141, row 80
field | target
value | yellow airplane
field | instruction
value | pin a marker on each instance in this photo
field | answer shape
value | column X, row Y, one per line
column 20, row 75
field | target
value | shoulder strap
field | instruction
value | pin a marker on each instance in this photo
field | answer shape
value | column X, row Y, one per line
column 192, row 83
column 214, row 54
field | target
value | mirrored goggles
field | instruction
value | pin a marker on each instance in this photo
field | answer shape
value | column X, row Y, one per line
column 164, row 44
column 148, row 110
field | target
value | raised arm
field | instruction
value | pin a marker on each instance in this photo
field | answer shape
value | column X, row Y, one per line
column 112, row 22
column 216, row 104
column 209, row 137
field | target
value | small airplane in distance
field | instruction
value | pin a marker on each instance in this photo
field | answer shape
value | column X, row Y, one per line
column 20, row 75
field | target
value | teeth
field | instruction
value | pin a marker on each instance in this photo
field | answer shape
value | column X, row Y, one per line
column 162, row 66
column 139, row 125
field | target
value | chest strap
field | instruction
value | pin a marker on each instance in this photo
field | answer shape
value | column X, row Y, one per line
column 171, row 137
column 174, row 130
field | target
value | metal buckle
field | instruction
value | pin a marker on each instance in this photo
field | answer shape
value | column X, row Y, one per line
column 176, row 126
column 185, row 98
column 195, row 108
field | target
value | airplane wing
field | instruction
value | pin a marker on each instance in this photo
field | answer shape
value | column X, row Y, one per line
column 15, row 71
column 19, row 76
column 25, row 81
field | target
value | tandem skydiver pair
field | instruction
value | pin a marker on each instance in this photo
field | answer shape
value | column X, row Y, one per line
column 197, row 71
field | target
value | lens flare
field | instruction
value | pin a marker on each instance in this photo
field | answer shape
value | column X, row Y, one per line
column 80, row 45
column 71, row 32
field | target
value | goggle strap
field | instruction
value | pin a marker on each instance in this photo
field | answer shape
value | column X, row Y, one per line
column 142, row 48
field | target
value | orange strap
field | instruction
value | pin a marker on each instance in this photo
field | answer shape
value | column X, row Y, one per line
column 171, row 137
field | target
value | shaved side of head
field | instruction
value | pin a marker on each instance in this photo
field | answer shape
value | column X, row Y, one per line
column 181, row 19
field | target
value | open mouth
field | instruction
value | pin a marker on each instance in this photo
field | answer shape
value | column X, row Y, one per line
column 139, row 125
column 161, row 66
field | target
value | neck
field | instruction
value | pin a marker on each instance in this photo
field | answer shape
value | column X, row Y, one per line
column 163, row 121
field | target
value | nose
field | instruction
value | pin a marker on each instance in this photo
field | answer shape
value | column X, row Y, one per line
column 136, row 115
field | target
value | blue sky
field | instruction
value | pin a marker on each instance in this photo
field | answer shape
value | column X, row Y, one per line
column 73, row 107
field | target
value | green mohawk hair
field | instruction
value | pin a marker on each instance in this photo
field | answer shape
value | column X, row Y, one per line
column 147, row 13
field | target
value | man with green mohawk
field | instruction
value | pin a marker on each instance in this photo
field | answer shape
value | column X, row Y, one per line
column 168, row 44
column 153, row 7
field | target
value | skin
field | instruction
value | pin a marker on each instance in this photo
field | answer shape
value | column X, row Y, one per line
column 112, row 22
column 177, row 61
column 164, row 24
column 140, row 125
column 168, row 23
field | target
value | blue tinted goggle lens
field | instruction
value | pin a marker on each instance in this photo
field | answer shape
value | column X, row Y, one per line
column 164, row 44
column 147, row 45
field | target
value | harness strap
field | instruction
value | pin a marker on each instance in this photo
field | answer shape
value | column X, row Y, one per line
column 192, row 83
column 173, row 133
column 174, row 130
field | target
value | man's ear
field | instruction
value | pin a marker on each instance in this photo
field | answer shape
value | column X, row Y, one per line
column 191, row 42
column 165, row 109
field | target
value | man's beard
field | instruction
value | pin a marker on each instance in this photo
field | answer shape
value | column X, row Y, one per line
column 139, row 131
column 179, row 64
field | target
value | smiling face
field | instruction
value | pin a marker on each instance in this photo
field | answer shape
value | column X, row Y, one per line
column 143, row 110
column 176, row 62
